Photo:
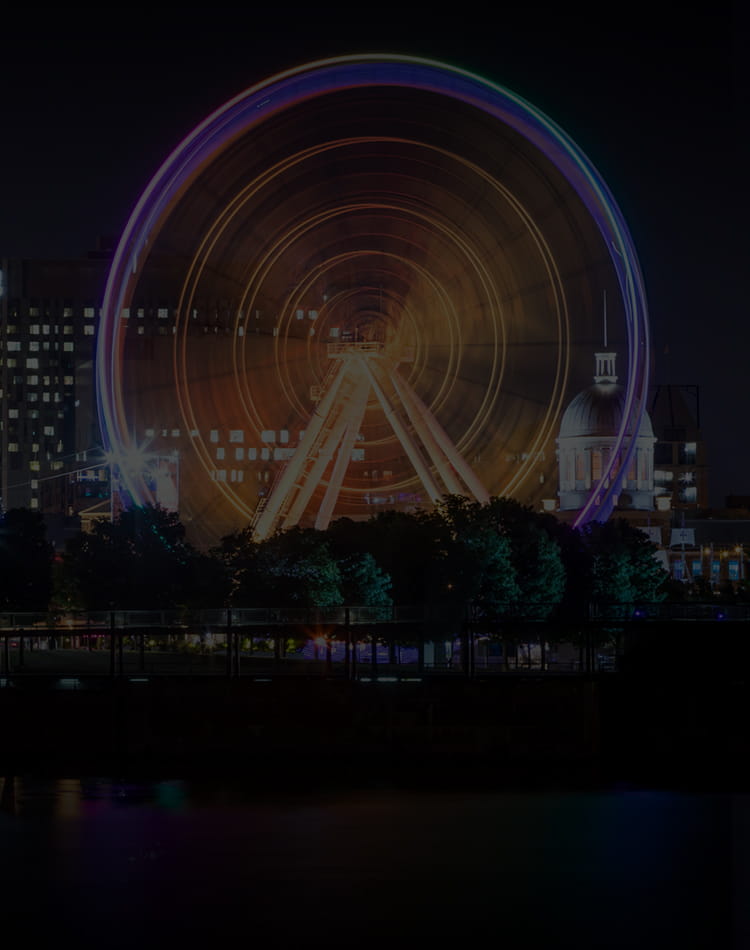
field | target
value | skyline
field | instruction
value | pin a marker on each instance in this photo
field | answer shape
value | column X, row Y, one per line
column 118, row 124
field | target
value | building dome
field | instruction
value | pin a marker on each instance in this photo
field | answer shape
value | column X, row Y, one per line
column 597, row 412
column 587, row 445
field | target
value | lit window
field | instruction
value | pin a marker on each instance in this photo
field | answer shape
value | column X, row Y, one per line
column 67, row 380
column 175, row 433
column 34, row 503
column 34, row 466
column 162, row 313
column 33, row 346
column 87, row 312
column 68, row 347
column 68, row 329
column 67, row 311
column 32, row 380
column 13, row 446
column 14, row 346
column 32, row 362
column 125, row 313
column 13, row 413
column 34, row 484
column 33, row 329
column 49, row 430
column 88, row 330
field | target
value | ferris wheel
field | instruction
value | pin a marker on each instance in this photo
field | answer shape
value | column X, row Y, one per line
column 365, row 283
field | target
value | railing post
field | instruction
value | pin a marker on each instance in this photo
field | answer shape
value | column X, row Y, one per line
column 112, row 643
column 347, row 644
column 229, row 642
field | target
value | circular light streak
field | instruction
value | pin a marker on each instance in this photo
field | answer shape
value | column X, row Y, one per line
column 431, row 233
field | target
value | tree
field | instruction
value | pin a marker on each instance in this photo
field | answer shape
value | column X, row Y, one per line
column 624, row 568
column 477, row 561
column 291, row 568
column 364, row 582
column 25, row 561
column 141, row 561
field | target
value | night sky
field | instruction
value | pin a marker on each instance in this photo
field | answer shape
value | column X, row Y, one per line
column 92, row 105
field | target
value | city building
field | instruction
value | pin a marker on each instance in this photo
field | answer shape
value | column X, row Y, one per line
column 50, row 448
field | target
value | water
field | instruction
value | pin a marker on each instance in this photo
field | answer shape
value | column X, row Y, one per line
column 137, row 865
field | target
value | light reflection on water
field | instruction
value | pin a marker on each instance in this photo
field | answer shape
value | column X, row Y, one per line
column 138, row 864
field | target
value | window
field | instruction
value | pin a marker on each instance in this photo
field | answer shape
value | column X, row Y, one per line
column 32, row 362
column 68, row 347
column 239, row 455
column 88, row 330
column 268, row 435
column 214, row 435
column 220, row 453
column 14, row 346
column 87, row 312
column 236, row 435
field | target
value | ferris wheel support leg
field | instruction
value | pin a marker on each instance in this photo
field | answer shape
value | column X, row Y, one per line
column 457, row 460
column 270, row 513
column 405, row 439
column 423, row 430
column 354, row 414
column 310, row 481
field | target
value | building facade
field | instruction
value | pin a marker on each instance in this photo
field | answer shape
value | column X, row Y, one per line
column 49, row 440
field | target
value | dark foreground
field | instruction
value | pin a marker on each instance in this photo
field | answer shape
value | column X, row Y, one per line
column 526, row 730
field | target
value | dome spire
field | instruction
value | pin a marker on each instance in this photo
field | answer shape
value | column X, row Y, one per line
column 605, row 360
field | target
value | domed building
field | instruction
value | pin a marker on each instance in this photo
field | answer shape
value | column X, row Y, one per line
column 587, row 439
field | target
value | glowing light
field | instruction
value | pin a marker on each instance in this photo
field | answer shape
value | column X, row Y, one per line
column 432, row 233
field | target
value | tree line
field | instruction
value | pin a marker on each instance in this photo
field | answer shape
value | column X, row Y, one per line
column 490, row 556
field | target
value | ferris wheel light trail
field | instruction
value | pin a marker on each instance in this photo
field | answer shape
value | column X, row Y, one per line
column 448, row 258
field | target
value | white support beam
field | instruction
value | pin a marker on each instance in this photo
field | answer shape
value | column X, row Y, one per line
column 405, row 439
column 465, row 471
column 267, row 520
column 354, row 413
column 421, row 422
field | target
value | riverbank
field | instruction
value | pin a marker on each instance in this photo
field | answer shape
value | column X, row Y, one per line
column 516, row 730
